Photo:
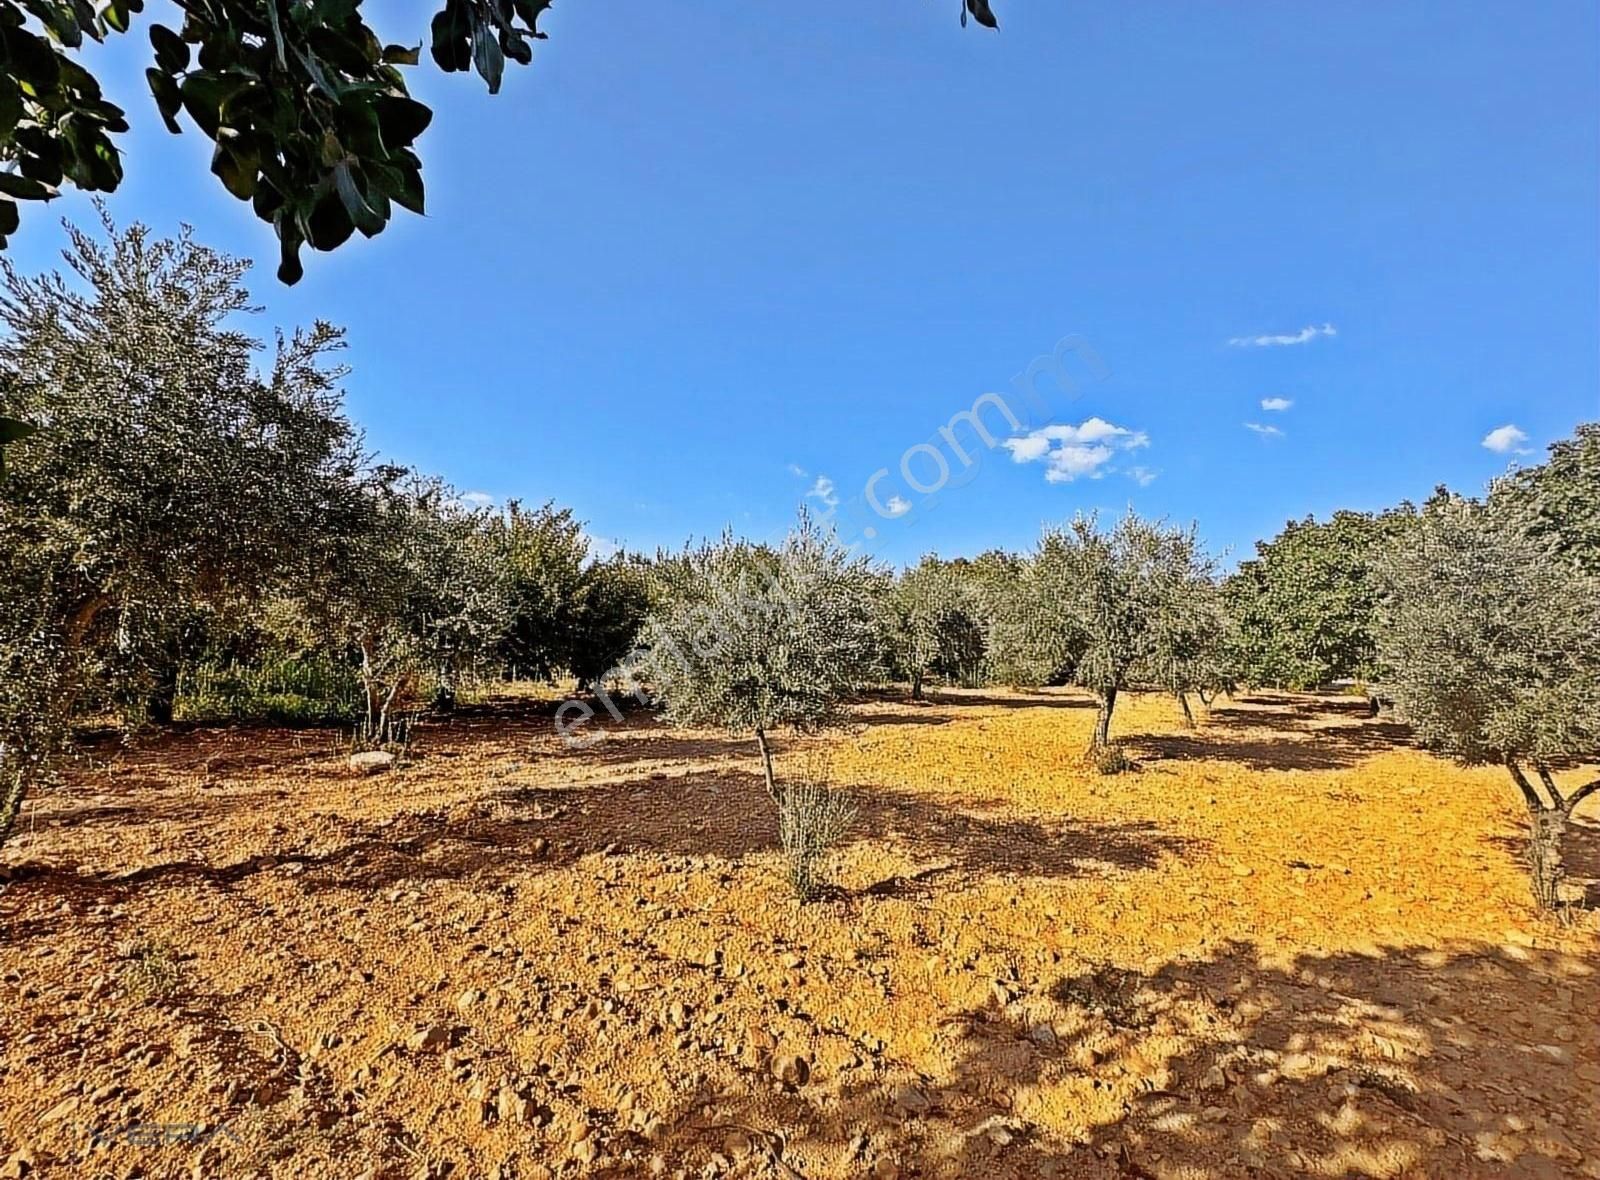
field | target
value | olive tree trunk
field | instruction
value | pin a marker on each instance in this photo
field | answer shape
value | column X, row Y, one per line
column 13, row 789
column 1547, row 830
column 1102, row 723
column 766, row 763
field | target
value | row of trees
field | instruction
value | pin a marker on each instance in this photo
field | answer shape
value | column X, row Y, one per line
column 1482, row 618
column 185, row 505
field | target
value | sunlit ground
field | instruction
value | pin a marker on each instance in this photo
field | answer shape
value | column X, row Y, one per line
column 1285, row 942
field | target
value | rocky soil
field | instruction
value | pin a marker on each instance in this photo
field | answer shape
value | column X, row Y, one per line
column 1286, row 944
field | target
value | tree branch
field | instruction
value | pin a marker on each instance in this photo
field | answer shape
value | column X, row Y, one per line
column 1581, row 794
column 1529, row 795
column 1549, row 782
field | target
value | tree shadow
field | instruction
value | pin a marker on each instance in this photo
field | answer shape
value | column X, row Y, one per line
column 690, row 818
column 1462, row 1061
column 1580, row 854
column 1318, row 735
column 1020, row 699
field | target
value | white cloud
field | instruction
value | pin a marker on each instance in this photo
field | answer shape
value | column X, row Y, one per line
column 798, row 471
column 898, row 506
column 1143, row 476
column 1264, row 431
column 823, row 491
column 477, row 499
column 1507, row 439
column 1304, row 336
column 1074, row 452
column 600, row 548
column 1275, row 405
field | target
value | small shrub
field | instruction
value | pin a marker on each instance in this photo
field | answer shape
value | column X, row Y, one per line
column 152, row 968
column 390, row 733
column 1109, row 759
column 812, row 818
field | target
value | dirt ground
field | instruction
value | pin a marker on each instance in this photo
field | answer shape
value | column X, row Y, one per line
column 1286, row 944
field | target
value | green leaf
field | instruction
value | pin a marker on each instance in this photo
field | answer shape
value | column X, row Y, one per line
column 168, row 101
column 399, row 55
column 400, row 182
column 487, row 56
column 203, row 95
column 400, row 119
column 116, row 15
column 290, row 270
column 981, row 13
column 329, row 225
column 236, row 168
column 26, row 188
column 362, row 215
column 172, row 52
column 10, row 104
column 451, row 31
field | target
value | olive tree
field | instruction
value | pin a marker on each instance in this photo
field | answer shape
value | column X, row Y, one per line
column 1110, row 610
column 169, row 471
column 1559, row 499
column 934, row 623
column 416, row 591
column 1492, row 641
column 542, row 552
column 1193, row 645
column 608, row 612
column 752, row 638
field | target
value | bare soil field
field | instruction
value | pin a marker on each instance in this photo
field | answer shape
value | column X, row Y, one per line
column 1286, row 944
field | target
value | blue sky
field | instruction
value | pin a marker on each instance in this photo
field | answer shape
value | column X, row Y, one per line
column 695, row 250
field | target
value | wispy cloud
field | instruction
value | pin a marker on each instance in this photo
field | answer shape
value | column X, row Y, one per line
column 1076, row 452
column 898, row 506
column 1304, row 336
column 798, row 471
column 1507, row 440
column 1275, row 405
column 477, row 499
column 824, row 492
column 1143, row 476
column 601, row 548
column 1263, row 430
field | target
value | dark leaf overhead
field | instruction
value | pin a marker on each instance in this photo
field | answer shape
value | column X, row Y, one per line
column 307, row 105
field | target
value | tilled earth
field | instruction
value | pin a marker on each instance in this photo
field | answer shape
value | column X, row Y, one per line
column 1286, row 944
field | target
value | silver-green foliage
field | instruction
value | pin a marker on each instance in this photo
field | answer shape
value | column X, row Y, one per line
column 170, row 470
column 750, row 638
column 812, row 818
column 935, row 623
column 419, row 594
column 1492, row 640
column 1136, row 605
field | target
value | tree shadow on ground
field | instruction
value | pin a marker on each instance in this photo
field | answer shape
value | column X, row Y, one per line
column 698, row 816
column 1580, row 854
column 1321, row 735
column 1020, row 699
column 1458, row 1062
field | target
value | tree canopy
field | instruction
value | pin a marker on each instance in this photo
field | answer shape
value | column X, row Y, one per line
column 306, row 103
column 1306, row 604
column 753, row 637
column 1560, row 498
column 1491, row 641
column 1113, row 609
column 169, row 473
